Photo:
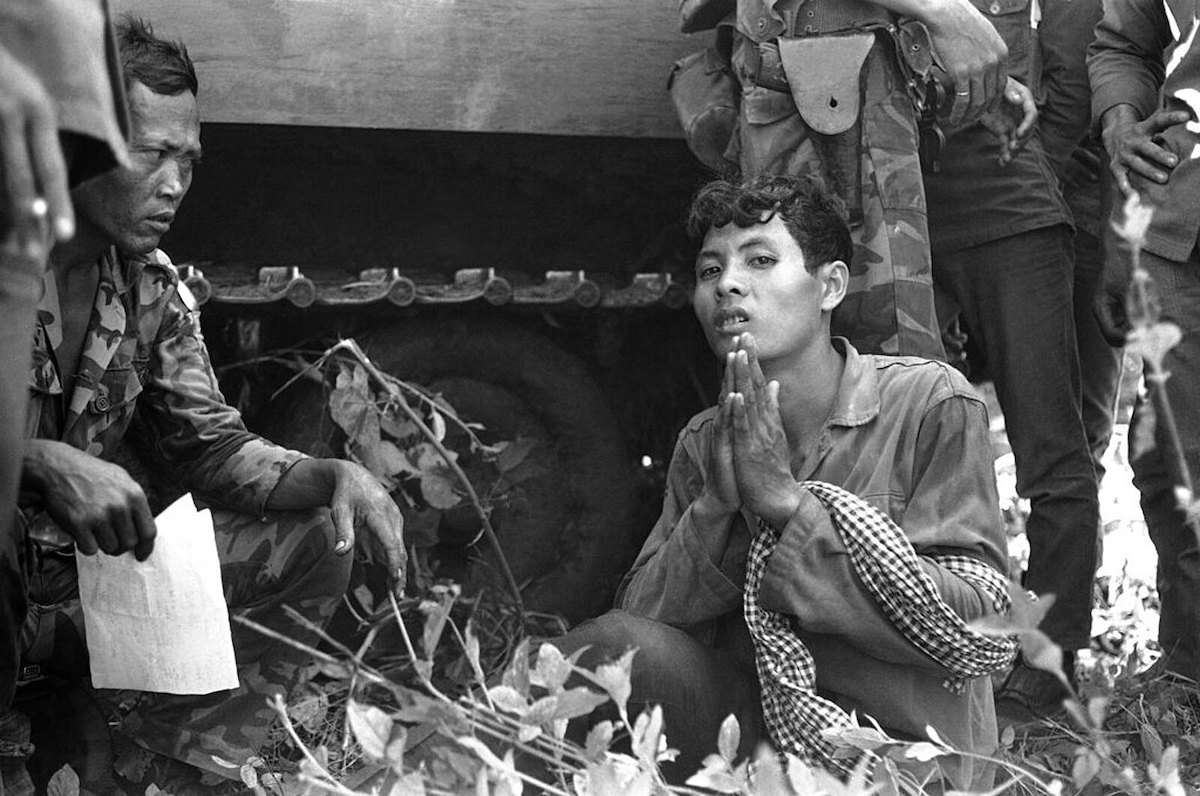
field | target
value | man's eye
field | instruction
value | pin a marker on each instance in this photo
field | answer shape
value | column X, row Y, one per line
column 762, row 261
column 706, row 271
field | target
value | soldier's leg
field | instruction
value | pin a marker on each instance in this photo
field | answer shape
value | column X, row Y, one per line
column 1016, row 295
column 1156, row 474
column 285, row 560
column 890, row 296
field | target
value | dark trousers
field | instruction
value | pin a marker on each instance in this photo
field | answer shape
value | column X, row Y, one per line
column 1156, row 474
column 1016, row 297
column 1099, row 362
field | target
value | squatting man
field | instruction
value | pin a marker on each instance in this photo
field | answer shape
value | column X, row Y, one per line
column 119, row 361
column 824, row 484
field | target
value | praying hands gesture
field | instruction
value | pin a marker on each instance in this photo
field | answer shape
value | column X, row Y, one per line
column 750, row 459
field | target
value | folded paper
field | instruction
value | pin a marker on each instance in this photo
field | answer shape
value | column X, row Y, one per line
column 160, row 624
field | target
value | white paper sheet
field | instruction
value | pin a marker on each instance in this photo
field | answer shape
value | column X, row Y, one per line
column 160, row 624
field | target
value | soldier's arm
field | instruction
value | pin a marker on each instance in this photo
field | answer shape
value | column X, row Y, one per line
column 968, row 48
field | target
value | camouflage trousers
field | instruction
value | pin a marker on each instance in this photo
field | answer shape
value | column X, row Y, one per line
column 889, row 306
column 284, row 559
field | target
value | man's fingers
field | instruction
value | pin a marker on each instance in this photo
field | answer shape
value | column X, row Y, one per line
column 343, row 529
column 51, row 175
column 1145, row 168
column 105, row 532
column 147, row 531
column 85, row 542
column 773, row 397
column 750, row 346
column 18, row 176
column 1162, row 120
column 388, row 530
column 125, row 532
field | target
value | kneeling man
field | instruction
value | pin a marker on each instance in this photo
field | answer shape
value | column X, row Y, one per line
column 828, row 528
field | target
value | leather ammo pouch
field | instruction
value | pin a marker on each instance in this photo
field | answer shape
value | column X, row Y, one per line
column 705, row 94
column 824, row 76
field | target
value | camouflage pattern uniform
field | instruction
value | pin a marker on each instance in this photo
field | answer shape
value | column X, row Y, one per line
column 145, row 381
column 889, row 307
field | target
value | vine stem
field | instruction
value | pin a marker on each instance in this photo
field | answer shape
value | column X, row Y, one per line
column 396, row 395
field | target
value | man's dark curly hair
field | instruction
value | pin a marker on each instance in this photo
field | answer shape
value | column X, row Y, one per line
column 815, row 217
column 162, row 66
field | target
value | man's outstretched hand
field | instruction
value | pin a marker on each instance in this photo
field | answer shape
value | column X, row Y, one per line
column 96, row 502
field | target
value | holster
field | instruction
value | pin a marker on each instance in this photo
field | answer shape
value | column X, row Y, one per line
column 823, row 75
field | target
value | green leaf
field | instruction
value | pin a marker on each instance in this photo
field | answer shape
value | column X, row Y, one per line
column 1086, row 767
column 411, row 784
column 65, row 782
column 728, row 738
column 396, row 424
column 372, row 728
column 1152, row 743
column 514, row 453
column 508, row 699
column 599, row 739
column 1152, row 343
column 575, row 702
column 437, row 424
column 1165, row 775
column 438, row 487
column 647, row 737
column 551, row 669
column 615, row 679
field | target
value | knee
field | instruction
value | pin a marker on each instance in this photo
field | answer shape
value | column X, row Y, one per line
column 610, row 635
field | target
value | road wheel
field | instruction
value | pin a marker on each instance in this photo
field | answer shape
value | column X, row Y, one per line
column 567, row 532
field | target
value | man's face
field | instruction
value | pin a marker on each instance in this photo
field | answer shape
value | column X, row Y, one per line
column 754, row 280
column 133, row 207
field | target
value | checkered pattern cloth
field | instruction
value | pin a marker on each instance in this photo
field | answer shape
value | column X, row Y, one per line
column 890, row 568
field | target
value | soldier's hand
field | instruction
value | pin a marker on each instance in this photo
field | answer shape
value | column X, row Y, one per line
column 359, row 501
column 31, row 161
column 1134, row 147
column 1012, row 123
column 972, row 53
column 98, row 503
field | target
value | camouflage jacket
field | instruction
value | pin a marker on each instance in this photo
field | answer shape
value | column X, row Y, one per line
column 144, row 379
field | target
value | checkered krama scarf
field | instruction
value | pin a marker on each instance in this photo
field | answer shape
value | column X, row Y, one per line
column 886, row 563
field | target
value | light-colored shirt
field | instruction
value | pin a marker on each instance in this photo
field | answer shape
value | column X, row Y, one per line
column 910, row 437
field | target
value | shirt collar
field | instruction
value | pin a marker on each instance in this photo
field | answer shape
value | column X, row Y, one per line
column 857, row 400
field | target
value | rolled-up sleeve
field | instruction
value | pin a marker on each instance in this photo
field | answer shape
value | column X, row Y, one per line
column 674, row 579
column 184, row 423
column 1125, row 59
column 953, row 510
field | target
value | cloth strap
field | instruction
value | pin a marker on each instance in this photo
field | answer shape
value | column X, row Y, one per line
column 889, row 567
